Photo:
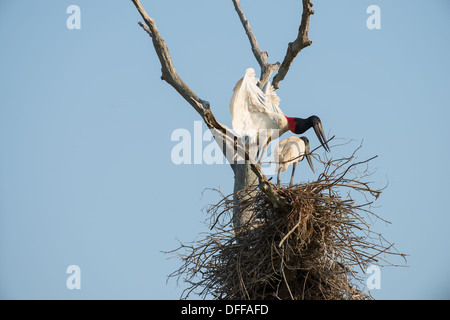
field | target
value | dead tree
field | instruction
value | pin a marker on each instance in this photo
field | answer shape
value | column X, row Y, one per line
column 246, row 174
column 301, row 242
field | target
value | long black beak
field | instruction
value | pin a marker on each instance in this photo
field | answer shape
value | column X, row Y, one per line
column 308, row 155
column 320, row 134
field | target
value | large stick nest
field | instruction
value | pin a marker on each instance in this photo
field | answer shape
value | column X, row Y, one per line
column 320, row 249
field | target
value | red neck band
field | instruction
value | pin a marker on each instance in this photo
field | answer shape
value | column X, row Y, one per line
column 291, row 123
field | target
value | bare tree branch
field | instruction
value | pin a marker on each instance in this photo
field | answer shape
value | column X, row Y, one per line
column 168, row 70
column 261, row 56
column 298, row 45
column 202, row 107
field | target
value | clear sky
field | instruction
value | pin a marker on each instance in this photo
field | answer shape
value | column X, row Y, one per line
column 86, row 176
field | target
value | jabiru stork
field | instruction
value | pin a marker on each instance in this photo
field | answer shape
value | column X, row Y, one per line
column 254, row 111
column 291, row 151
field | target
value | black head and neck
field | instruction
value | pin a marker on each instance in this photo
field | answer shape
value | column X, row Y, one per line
column 299, row 126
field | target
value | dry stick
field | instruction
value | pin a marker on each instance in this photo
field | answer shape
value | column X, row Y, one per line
column 202, row 107
column 290, row 232
column 284, row 275
column 310, row 153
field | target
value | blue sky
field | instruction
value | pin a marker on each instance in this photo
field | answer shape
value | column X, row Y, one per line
column 86, row 176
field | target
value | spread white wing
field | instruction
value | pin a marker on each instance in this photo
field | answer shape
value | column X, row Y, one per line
column 253, row 109
column 272, row 100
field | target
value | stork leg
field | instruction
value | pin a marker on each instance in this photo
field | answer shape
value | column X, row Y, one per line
column 278, row 177
column 263, row 149
column 292, row 175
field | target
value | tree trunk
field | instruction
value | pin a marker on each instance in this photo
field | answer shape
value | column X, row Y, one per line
column 244, row 178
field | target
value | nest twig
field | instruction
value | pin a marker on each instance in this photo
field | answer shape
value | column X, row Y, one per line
column 317, row 250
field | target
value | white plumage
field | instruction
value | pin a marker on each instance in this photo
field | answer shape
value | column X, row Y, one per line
column 290, row 151
column 252, row 109
column 255, row 112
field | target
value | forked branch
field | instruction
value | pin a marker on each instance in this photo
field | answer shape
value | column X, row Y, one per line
column 261, row 56
column 298, row 45
column 202, row 107
column 302, row 41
